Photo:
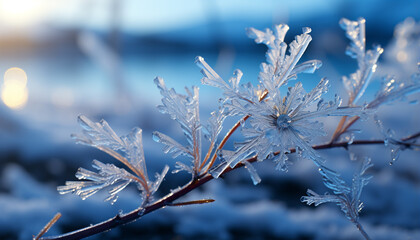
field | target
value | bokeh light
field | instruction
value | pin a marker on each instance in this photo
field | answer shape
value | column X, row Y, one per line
column 14, row 91
column 20, row 13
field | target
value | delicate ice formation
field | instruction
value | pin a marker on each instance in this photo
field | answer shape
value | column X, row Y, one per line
column 277, row 124
column 357, row 83
column 185, row 110
column 126, row 149
column 347, row 197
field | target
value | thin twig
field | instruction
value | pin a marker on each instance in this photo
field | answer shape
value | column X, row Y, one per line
column 202, row 201
column 121, row 219
column 337, row 131
column 264, row 94
column 48, row 226
column 362, row 231
column 223, row 142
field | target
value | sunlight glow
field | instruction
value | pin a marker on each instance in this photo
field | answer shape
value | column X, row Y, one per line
column 22, row 12
column 14, row 92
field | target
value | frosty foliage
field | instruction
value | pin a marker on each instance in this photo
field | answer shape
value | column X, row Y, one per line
column 185, row 110
column 280, row 121
column 281, row 67
column 345, row 196
column 394, row 144
column 276, row 123
column 357, row 82
column 393, row 89
column 126, row 149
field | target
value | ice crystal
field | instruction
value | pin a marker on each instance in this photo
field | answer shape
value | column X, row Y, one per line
column 394, row 144
column 357, row 83
column 126, row 149
column 347, row 197
column 280, row 125
column 185, row 110
column 281, row 67
column 277, row 124
column 392, row 89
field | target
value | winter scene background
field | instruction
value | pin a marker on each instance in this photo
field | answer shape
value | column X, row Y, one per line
column 99, row 58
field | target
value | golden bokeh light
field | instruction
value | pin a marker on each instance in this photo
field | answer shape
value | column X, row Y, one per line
column 14, row 92
column 16, row 76
column 14, row 95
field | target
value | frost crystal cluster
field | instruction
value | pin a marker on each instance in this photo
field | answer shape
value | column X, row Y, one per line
column 277, row 123
column 275, row 120
column 126, row 149
column 347, row 197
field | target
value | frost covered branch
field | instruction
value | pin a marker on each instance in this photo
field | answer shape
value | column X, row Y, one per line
column 281, row 120
column 122, row 219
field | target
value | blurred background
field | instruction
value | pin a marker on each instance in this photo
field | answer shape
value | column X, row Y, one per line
column 62, row 58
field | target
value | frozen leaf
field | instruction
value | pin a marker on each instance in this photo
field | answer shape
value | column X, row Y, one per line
column 281, row 67
column 179, row 166
column 357, row 83
column 347, row 197
column 171, row 146
column 185, row 110
column 210, row 78
column 234, row 93
column 97, row 134
column 316, row 199
column 214, row 125
column 126, row 149
column 108, row 175
column 393, row 89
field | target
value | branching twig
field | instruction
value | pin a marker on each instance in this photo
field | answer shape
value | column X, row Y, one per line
column 168, row 200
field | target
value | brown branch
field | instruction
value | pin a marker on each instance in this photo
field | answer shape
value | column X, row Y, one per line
column 231, row 131
column 48, row 226
column 168, row 200
column 338, row 131
column 202, row 201
column 223, row 142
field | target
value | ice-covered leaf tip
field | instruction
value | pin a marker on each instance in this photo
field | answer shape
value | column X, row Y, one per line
column 357, row 82
column 280, row 66
column 185, row 110
column 126, row 149
column 393, row 89
column 345, row 196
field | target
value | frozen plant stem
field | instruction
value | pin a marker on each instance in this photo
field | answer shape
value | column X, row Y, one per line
column 362, row 231
column 227, row 136
column 278, row 125
column 168, row 200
